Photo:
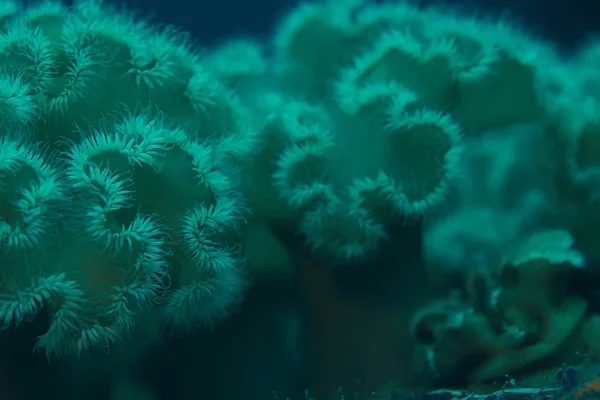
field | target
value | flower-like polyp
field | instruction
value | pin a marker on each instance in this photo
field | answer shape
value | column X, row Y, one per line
column 538, row 291
column 532, row 303
column 446, row 329
column 29, row 194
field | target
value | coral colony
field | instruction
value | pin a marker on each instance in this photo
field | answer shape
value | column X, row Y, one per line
column 132, row 165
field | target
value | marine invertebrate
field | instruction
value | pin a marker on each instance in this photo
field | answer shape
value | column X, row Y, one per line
column 531, row 300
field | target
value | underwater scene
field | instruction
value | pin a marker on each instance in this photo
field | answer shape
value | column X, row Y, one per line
column 373, row 201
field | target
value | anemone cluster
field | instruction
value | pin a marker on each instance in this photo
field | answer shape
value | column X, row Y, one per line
column 115, row 170
column 137, row 170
